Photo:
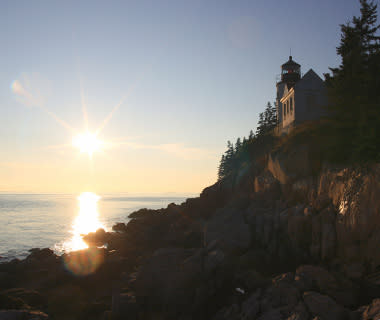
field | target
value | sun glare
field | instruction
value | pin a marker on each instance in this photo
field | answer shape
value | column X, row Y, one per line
column 86, row 221
column 87, row 142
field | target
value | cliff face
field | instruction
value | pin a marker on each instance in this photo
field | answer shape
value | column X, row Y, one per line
column 341, row 208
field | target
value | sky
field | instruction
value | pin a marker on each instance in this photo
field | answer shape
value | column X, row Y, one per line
column 164, row 83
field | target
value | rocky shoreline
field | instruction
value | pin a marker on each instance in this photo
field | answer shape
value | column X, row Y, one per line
column 287, row 239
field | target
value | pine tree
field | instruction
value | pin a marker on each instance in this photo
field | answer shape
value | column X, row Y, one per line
column 229, row 157
column 267, row 120
column 354, row 86
column 260, row 125
column 238, row 145
column 270, row 118
column 221, row 169
column 251, row 135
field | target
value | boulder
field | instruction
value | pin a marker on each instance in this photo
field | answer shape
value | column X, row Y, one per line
column 299, row 313
column 251, row 307
column 324, row 307
column 168, row 279
column 30, row 297
column 311, row 277
column 315, row 278
column 119, row 227
column 271, row 315
column 228, row 313
column 22, row 315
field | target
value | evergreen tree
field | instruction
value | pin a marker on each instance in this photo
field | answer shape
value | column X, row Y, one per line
column 354, row 86
column 221, row 169
column 267, row 120
column 229, row 157
column 270, row 118
column 260, row 125
column 251, row 135
column 238, row 145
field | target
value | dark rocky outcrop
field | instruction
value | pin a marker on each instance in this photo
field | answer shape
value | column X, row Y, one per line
column 288, row 237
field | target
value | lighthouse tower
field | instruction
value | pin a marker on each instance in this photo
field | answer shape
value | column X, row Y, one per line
column 290, row 74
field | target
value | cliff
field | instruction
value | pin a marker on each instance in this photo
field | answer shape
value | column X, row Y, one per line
column 290, row 237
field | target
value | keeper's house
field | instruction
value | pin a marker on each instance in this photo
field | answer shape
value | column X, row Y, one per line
column 298, row 99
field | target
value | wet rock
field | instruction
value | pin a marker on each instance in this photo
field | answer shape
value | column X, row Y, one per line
column 119, row 227
column 98, row 238
column 40, row 254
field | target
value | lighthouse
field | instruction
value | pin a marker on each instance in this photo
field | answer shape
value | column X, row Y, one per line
column 290, row 74
column 298, row 99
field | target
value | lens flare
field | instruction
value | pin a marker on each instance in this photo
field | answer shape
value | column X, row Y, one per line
column 84, row 262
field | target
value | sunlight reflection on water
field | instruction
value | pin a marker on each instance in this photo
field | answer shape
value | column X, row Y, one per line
column 86, row 221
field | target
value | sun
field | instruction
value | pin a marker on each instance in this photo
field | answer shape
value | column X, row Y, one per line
column 87, row 142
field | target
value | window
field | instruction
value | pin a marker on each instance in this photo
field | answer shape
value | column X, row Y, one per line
column 291, row 104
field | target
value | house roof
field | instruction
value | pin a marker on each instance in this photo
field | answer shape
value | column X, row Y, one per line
column 306, row 77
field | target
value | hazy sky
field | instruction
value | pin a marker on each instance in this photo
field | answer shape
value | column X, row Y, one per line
column 190, row 75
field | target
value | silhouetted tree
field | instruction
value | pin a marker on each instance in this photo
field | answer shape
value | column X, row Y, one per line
column 267, row 120
column 260, row 124
column 238, row 145
column 221, row 169
column 354, row 87
column 251, row 135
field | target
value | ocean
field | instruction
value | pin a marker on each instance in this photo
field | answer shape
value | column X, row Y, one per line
column 56, row 221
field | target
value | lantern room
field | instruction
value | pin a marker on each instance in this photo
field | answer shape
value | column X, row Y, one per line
column 290, row 72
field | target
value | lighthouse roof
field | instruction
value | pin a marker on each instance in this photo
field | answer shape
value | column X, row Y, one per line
column 290, row 63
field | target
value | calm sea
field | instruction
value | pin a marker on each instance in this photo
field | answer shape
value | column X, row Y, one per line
column 49, row 220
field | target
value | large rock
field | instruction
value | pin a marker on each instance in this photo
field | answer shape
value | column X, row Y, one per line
column 372, row 311
column 168, row 279
column 324, row 307
column 265, row 182
column 251, row 307
column 287, row 167
column 299, row 229
column 355, row 192
column 22, row 315
column 229, row 229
